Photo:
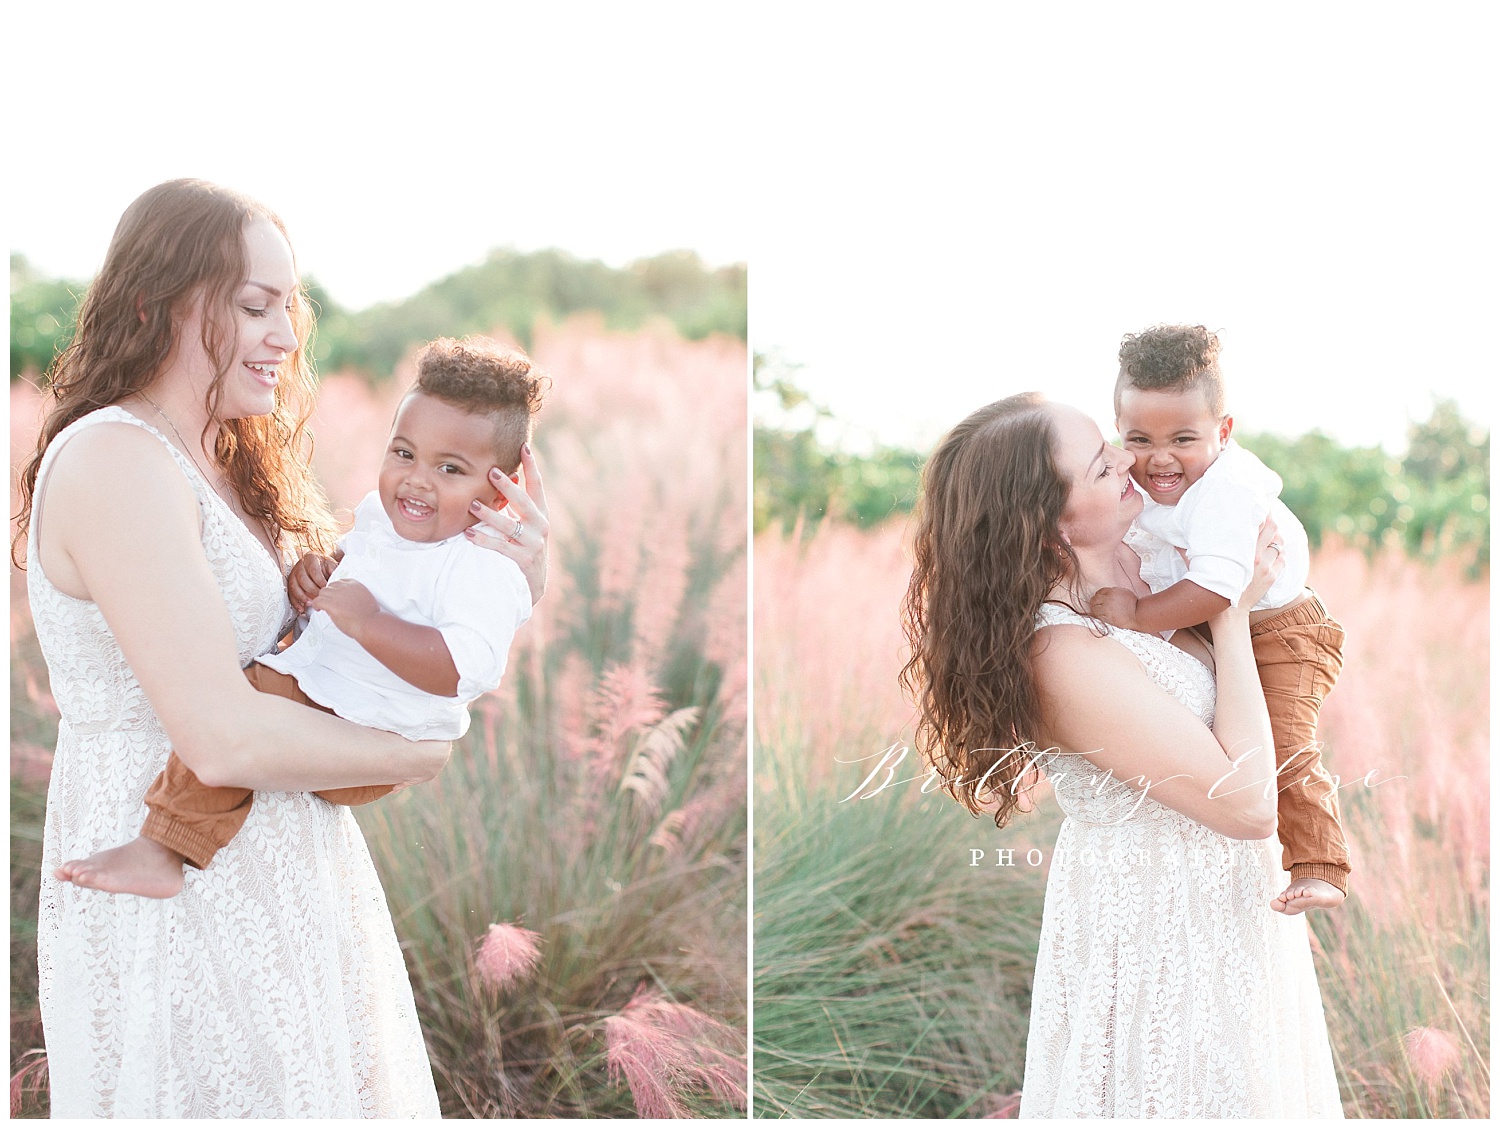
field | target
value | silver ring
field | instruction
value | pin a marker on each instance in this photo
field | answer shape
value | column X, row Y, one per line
column 515, row 534
column 1276, row 547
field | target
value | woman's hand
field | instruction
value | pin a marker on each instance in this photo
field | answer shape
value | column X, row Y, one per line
column 520, row 530
column 1268, row 565
column 307, row 578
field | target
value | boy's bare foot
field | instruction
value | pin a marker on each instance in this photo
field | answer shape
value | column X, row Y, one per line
column 139, row 867
column 1307, row 893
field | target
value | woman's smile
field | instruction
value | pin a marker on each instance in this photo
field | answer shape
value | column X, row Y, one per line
column 264, row 371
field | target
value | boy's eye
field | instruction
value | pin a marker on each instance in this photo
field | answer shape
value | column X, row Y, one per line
column 449, row 468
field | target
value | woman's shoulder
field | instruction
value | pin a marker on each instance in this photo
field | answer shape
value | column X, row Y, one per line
column 114, row 444
column 1070, row 645
column 110, row 459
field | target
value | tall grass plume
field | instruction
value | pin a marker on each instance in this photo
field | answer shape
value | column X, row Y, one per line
column 892, row 973
column 594, row 797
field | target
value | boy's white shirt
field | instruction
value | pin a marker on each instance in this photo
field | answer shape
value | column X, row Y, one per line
column 476, row 598
column 1216, row 523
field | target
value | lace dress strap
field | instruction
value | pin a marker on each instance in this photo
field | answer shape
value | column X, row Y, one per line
column 1171, row 668
column 111, row 414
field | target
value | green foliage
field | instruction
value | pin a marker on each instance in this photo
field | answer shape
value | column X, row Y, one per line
column 797, row 479
column 1433, row 502
column 41, row 316
column 509, row 290
column 892, row 979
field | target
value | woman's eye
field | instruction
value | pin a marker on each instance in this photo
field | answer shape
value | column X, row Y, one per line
column 255, row 311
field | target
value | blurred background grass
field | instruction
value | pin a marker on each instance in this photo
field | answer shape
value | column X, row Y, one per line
column 599, row 797
column 892, row 976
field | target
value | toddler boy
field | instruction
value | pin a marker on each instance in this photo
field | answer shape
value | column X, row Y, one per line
column 415, row 621
column 1207, row 499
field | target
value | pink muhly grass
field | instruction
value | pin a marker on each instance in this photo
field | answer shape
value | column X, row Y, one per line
column 663, row 583
column 507, row 954
column 570, row 694
column 1433, row 1053
column 31, row 1078
column 679, row 829
column 625, row 701
column 1008, row 1106
column 663, row 1049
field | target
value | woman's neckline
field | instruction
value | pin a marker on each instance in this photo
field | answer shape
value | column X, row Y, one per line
column 266, row 548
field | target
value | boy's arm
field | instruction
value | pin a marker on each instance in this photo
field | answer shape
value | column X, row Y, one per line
column 413, row 653
column 1184, row 604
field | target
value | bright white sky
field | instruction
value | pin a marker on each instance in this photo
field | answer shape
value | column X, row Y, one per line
column 935, row 213
column 981, row 207
column 396, row 153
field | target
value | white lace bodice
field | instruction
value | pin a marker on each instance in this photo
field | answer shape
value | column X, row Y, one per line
column 92, row 683
column 272, row 986
column 1090, row 794
column 1165, row 985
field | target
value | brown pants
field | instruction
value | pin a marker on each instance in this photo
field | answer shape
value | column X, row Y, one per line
column 1299, row 653
column 187, row 816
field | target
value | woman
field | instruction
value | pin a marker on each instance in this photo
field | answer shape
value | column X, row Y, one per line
column 1165, row 985
column 170, row 485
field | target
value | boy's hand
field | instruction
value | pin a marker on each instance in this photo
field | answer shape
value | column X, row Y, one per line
column 307, row 578
column 349, row 604
column 1114, row 606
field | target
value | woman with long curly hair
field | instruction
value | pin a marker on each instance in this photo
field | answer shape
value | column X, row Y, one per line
column 169, row 492
column 1165, row 985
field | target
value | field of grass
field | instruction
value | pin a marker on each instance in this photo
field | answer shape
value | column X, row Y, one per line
column 596, row 810
column 892, row 975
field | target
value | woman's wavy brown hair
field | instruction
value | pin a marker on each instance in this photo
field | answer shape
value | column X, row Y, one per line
column 988, row 550
column 175, row 242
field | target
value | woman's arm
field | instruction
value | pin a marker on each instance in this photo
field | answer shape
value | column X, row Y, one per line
column 125, row 524
column 1099, row 701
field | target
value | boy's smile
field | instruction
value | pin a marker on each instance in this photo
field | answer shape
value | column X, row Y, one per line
column 1173, row 437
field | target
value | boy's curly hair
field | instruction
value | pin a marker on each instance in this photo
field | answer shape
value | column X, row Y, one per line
column 1172, row 358
column 483, row 377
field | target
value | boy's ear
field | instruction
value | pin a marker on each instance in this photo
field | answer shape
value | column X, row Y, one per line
column 500, row 502
column 1226, row 425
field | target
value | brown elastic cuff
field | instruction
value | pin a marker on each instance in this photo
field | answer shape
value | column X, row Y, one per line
column 1335, row 875
column 197, row 849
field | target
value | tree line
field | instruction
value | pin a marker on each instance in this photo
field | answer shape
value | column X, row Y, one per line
column 1433, row 500
column 509, row 290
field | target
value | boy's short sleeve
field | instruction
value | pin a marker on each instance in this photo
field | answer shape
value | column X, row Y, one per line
column 483, row 600
column 1221, row 523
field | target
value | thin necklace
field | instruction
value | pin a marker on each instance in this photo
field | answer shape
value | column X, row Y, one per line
column 187, row 448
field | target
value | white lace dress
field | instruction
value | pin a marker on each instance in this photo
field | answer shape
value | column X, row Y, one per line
column 273, row 985
column 1165, row 985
